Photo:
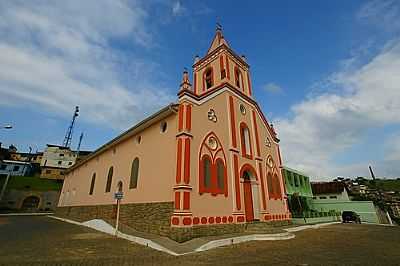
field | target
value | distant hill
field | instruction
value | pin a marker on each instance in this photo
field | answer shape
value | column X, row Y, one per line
column 388, row 184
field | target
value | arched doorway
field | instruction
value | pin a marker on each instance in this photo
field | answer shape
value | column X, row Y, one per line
column 30, row 203
column 248, row 197
column 251, row 193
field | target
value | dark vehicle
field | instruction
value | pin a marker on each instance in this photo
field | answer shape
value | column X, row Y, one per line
column 349, row 217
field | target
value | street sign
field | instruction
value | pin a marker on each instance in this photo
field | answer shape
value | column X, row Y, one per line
column 118, row 195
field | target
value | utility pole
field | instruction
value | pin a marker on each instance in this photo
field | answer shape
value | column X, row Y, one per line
column 68, row 135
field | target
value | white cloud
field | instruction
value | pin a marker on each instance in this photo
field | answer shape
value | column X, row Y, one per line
column 272, row 88
column 178, row 9
column 383, row 14
column 55, row 55
column 364, row 94
column 327, row 124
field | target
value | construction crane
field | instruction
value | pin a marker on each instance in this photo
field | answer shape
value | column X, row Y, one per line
column 68, row 135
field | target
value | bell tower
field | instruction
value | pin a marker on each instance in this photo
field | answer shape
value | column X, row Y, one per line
column 221, row 65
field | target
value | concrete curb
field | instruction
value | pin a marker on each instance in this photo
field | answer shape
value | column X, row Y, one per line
column 26, row 214
column 311, row 226
column 241, row 239
column 104, row 227
column 378, row 224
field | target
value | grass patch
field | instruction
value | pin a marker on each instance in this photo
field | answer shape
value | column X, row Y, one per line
column 31, row 183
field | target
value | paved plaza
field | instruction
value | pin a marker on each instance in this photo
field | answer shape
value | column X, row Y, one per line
column 43, row 241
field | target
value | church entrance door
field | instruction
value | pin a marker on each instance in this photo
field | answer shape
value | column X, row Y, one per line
column 248, row 198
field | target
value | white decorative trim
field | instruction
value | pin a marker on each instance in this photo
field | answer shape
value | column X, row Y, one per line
column 220, row 91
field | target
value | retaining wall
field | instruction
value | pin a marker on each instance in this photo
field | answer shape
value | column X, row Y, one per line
column 152, row 218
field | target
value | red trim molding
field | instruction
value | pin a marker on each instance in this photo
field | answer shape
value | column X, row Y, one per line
column 178, row 160
column 249, row 83
column 262, row 185
column 279, row 156
column 233, row 122
column 237, row 182
column 177, row 200
column 195, row 83
column 256, row 133
column 234, row 90
column 245, row 153
column 221, row 65
column 186, row 200
column 186, row 172
column 228, row 75
column 188, row 117
column 180, row 117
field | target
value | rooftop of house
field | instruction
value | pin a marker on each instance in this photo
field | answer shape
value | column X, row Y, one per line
column 15, row 162
column 295, row 171
column 319, row 188
column 58, row 146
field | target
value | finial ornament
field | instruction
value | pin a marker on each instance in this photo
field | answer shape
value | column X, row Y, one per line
column 185, row 85
column 219, row 27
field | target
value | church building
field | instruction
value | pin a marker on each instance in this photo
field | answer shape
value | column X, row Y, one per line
column 208, row 164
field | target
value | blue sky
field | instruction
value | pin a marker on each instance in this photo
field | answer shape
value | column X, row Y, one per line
column 326, row 73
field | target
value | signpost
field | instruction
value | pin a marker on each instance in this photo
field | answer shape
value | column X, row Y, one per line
column 118, row 196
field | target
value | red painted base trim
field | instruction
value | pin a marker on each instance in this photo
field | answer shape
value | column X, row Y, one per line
column 175, row 221
column 185, row 221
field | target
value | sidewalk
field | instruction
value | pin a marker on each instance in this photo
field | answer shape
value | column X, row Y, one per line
column 171, row 247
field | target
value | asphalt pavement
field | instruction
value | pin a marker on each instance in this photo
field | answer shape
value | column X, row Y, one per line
column 31, row 240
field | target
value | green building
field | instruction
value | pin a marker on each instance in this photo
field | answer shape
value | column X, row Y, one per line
column 322, row 201
column 334, row 196
column 298, row 191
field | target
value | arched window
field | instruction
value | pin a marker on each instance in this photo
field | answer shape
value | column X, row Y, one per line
column 212, row 167
column 109, row 179
column 134, row 173
column 208, row 78
column 221, row 172
column 238, row 78
column 206, row 172
column 92, row 184
column 245, row 139
column 270, row 185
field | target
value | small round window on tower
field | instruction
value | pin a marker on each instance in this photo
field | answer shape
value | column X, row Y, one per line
column 163, row 127
column 138, row 139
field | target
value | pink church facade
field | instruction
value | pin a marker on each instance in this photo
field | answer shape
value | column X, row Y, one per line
column 212, row 158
